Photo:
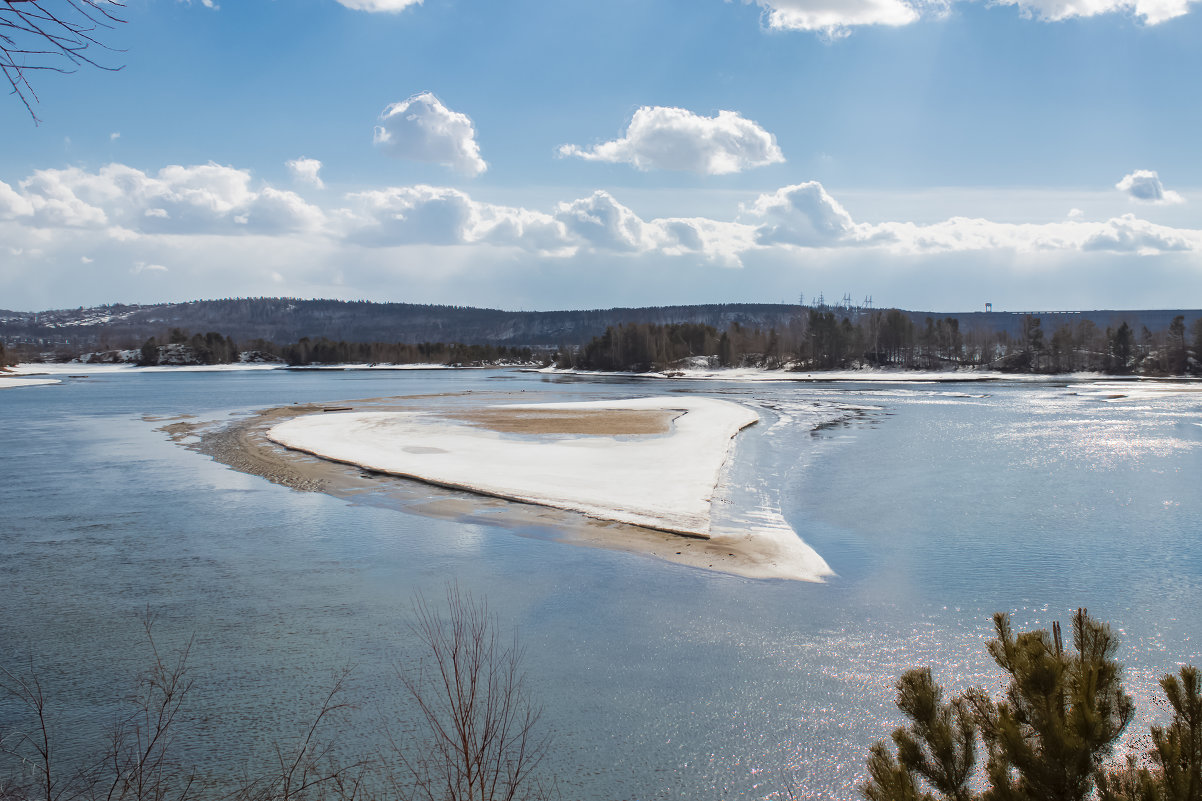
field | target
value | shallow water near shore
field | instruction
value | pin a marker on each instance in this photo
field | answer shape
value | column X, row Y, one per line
column 934, row 504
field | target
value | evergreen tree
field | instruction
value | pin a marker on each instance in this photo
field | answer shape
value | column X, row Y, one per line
column 1045, row 739
column 1176, row 753
column 1197, row 331
column 1177, row 355
column 1121, row 349
column 1061, row 714
column 938, row 747
column 150, row 353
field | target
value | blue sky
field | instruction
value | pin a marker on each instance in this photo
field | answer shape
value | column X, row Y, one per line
column 557, row 154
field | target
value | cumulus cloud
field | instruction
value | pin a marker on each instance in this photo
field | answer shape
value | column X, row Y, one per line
column 802, row 214
column 1132, row 235
column 305, row 171
column 205, row 220
column 434, row 215
column 1144, row 186
column 13, row 205
column 379, row 6
column 1151, row 12
column 604, row 223
column 835, row 18
column 205, row 198
column 663, row 138
column 806, row 216
column 423, row 129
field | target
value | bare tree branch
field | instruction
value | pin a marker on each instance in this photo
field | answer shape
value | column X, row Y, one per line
column 480, row 740
column 51, row 36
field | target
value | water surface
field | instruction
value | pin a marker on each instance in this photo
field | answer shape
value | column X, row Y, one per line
column 935, row 504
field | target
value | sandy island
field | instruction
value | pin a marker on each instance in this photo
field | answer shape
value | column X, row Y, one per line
column 651, row 462
column 643, row 471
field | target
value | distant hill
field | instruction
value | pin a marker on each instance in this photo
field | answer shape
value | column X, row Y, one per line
column 287, row 320
column 283, row 320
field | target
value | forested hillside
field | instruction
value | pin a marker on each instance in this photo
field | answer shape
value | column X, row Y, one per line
column 806, row 337
column 284, row 320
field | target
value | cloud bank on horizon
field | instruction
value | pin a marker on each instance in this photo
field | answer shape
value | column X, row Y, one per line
column 734, row 173
column 135, row 217
column 838, row 19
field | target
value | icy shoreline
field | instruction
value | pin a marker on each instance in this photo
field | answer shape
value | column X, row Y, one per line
column 866, row 375
column 12, row 381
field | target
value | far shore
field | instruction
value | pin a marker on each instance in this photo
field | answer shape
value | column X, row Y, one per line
column 884, row 375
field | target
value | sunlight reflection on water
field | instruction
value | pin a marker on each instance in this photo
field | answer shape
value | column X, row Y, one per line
column 935, row 508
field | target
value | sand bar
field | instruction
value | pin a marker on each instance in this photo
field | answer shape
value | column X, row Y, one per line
column 755, row 543
column 656, row 480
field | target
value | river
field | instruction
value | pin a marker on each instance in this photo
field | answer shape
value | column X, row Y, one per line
column 936, row 504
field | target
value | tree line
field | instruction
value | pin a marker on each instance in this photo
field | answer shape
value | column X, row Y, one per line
column 324, row 351
column 179, row 347
column 824, row 340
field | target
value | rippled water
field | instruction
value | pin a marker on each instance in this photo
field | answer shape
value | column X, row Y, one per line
column 935, row 504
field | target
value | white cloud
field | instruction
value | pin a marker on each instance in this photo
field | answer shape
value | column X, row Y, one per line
column 433, row 215
column 12, row 204
column 803, row 214
column 380, row 6
column 114, row 136
column 144, row 267
column 423, row 129
column 221, row 231
column 663, row 138
column 410, row 215
column 605, row 224
column 205, row 198
column 1144, row 186
column 834, row 18
column 305, row 171
column 1151, row 12
column 1132, row 235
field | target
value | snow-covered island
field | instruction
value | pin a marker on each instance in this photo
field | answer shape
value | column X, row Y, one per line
column 651, row 462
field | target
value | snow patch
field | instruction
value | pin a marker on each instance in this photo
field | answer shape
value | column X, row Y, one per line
column 11, row 383
column 663, row 481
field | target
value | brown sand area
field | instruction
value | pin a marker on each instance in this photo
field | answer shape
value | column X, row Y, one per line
column 594, row 422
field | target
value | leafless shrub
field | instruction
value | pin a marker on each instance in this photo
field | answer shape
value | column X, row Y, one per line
column 480, row 737
column 476, row 737
column 309, row 769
